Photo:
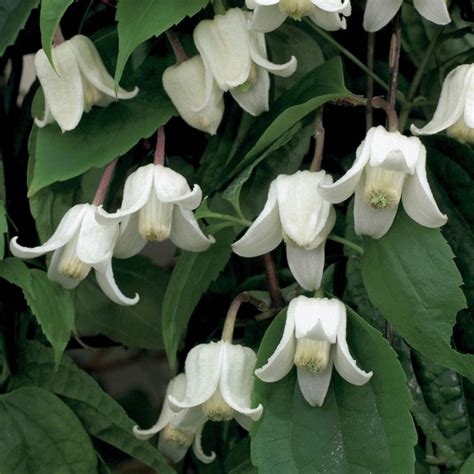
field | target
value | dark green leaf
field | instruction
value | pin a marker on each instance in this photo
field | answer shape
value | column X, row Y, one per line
column 468, row 467
column 152, row 18
column 133, row 326
column 3, row 228
column 238, row 460
column 411, row 278
column 51, row 304
column 105, row 132
column 191, row 277
column 13, row 16
column 51, row 13
column 99, row 413
column 41, row 435
column 358, row 429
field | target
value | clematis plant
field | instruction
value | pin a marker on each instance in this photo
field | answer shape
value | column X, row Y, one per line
column 238, row 60
column 296, row 213
column 178, row 431
column 78, row 81
column 314, row 340
column 185, row 83
column 157, row 204
column 219, row 379
column 378, row 13
column 455, row 111
column 389, row 167
column 79, row 244
column 270, row 14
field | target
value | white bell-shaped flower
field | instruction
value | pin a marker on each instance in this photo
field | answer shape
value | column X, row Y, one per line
column 238, row 60
column 157, row 204
column 270, row 14
column 378, row 13
column 296, row 213
column 220, row 380
column 79, row 82
column 388, row 167
column 79, row 244
column 455, row 111
column 314, row 339
column 178, row 431
column 185, row 84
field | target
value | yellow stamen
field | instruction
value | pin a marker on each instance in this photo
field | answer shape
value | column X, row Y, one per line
column 217, row 409
column 312, row 355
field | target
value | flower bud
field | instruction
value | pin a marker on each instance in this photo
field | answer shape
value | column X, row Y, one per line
column 198, row 99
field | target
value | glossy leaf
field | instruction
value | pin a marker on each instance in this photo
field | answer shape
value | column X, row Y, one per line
column 14, row 14
column 152, row 18
column 51, row 304
column 51, row 13
column 100, row 414
column 41, row 435
column 358, row 429
column 133, row 326
column 191, row 277
column 411, row 278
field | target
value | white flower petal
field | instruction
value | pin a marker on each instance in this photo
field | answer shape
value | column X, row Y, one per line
column 314, row 387
column 186, row 233
column 370, row 221
column 105, row 279
column 187, row 86
column 303, row 212
column 55, row 275
column 130, row 242
column 326, row 230
column 223, row 45
column 393, row 151
column 254, row 100
column 306, row 266
column 198, row 451
column 378, row 13
column 327, row 20
column 172, row 187
column 331, row 5
column 243, row 420
column 67, row 228
column 345, row 186
column 95, row 241
column 63, row 90
column 265, row 233
column 236, row 383
column 281, row 361
column 203, row 370
column 171, row 451
column 418, row 200
column 93, row 68
column 267, row 2
column 266, row 19
column 177, row 388
column 469, row 106
column 136, row 192
column 345, row 365
column 318, row 318
column 259, row 55
column 451, row 102
column 434, row 10
column 47, row 116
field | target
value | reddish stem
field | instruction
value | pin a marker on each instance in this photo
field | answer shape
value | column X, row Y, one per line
column 104, row 183
column 160, row 147
column 58, row 37
column 178, row 49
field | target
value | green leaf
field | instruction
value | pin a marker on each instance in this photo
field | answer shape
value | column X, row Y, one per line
column 51, row 13
column 101, row 416
column 191, row 277
column 238, row 459
column 3, row 228
column 321, row 85
column 133, row 326
column 152, row 18
column 41, row 435
column 358, row 429
column 411, row 278
column 468, row 466
column 105, row 132
column 14, row 14
column 51, row 304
